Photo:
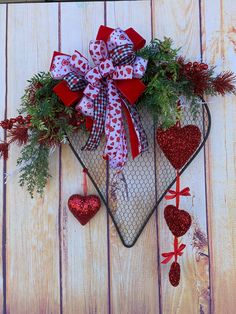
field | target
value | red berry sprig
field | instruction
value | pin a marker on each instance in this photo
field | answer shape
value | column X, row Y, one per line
column 8, row 124
column 190, row 68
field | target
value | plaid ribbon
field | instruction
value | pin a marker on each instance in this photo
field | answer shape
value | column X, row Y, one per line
column 98, row 121
column 75, row 82
column 123, row 54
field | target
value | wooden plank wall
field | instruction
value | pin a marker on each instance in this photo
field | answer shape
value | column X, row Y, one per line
column 50, row 263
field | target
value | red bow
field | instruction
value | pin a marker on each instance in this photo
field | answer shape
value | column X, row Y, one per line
column 178, row 193
column 177, row 252
column 184, row 192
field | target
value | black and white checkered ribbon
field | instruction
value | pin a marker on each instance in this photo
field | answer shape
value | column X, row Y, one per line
column 75, row 82
column 123, row 55
column 98, row 121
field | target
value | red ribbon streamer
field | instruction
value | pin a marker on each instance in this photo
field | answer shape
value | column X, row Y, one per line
column 178, row 251
column 176, row 194
column 134, row 142
column 85, row 183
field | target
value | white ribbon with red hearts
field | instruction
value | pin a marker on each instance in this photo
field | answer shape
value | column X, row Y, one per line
column 116, row 143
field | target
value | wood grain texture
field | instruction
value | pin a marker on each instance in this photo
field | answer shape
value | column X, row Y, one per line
column 84, row 248
column 3, row 10
column 32, row 224
column 134, row 276
column 180, row 21
column 219, row 47
column 67, row 268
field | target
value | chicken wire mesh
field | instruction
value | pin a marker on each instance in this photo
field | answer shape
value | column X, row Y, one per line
column 132, row 197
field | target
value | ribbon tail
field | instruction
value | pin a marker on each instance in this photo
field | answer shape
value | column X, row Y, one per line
column 138, row 137
column 98, row 121
column 170, row 197
column 116, row 145
column 167, row 259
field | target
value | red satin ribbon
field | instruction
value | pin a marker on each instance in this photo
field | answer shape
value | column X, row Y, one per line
column 132, row 89
column 134, row 142
column 104, row 32
column 176, row 194
column 178, row 251
column 85, row 183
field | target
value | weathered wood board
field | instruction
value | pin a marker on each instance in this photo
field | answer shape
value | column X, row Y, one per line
column 50, row 263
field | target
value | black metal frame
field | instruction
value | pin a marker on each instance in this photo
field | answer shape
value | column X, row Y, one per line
column 105, row 201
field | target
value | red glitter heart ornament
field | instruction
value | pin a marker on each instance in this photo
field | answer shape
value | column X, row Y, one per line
column 84, row 207
column 179, row 143
column 174, row 274
column 178, row 221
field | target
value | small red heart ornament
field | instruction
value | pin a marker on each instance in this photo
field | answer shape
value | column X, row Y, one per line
column 174, row 274
column 84, row 207
column 178, row 221
column 179, row 143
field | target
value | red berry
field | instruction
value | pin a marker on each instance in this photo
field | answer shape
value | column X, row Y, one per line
column 10, row 125
column 189, row 64
column 205, row 67
column 195, row 64
column 19, row 118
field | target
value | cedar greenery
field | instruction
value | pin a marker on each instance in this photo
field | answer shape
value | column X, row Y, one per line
column 50, row 120
column 169, row 76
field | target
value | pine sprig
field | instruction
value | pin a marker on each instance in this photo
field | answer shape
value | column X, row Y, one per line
column 169, row 76
column 161, row 94
column 50, row 121
column 34, row 166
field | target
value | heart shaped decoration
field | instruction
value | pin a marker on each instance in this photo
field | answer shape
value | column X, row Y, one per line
column 132, row 198
column 179, row 143
column 174, row 274
column 178, row 221
column 84, row 207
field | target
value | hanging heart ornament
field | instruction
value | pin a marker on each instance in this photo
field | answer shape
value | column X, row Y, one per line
column 178, row 221
column 179, row 143
column 84, row 208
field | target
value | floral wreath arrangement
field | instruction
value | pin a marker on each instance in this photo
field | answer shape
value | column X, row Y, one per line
column 102, row 102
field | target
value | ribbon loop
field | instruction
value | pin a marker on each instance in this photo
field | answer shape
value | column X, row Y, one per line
column 98, row 51
column 106, row 68
column 72, row 70
column 75, row 82
column 178, row 251
column 79, row 63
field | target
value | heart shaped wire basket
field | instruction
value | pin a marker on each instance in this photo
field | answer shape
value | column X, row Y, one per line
column 133, row 196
